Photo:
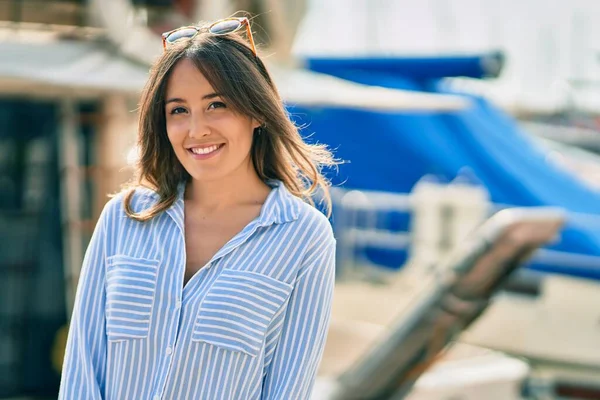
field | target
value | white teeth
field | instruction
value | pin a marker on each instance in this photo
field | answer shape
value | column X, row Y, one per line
column 206, row 150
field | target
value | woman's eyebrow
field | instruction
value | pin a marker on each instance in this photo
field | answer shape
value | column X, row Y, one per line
column 211, row 96
column 174, row 100
column 180, row 100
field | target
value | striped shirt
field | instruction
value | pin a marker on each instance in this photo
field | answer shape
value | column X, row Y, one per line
column 251, row 324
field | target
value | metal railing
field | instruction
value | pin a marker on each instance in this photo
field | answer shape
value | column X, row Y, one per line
column 362, row 222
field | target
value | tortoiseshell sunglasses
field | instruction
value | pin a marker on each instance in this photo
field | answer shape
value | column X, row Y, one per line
column 220, row 27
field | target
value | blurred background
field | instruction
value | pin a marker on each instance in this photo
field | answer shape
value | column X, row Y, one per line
column 445, row 113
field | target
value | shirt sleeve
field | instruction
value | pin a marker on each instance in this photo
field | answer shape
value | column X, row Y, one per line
column 84, row 366
column 291, row 373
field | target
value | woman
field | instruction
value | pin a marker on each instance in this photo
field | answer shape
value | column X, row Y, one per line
column 211, row 277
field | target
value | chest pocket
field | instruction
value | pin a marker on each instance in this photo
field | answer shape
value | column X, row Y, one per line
column 130, row 290
column 238, row 309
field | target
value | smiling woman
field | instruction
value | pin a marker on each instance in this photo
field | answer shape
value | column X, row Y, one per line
column 215, row 82
column 211, row 276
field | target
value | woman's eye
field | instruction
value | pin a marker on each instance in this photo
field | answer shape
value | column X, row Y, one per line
column 217, row 104
column 178, row 110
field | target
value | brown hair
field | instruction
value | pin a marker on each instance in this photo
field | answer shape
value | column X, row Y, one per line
column 229, row 64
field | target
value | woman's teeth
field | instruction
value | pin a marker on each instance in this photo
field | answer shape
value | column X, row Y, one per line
column 205, row 150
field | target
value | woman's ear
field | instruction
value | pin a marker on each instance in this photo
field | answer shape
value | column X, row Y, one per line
column 257, row 124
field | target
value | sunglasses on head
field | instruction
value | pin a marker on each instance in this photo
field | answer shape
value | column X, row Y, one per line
column 220, row 27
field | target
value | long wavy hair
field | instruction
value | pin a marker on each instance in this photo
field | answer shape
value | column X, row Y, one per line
column 228, row 63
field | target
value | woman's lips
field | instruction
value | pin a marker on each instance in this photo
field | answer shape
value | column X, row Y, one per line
column 202, row 153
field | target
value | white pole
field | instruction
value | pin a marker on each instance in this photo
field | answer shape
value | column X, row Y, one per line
column 430, row 220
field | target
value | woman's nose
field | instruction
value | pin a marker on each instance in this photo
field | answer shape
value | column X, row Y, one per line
column 199, row 128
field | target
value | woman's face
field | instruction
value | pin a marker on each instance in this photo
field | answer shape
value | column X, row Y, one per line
column 210, row 139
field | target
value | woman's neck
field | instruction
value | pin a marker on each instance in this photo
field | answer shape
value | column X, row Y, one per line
column 242, row 187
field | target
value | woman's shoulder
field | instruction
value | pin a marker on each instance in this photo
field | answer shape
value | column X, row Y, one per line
column 314, row 220
column 139, row 198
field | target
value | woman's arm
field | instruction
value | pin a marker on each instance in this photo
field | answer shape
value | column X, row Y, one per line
column 84, row 366
column 291, row 373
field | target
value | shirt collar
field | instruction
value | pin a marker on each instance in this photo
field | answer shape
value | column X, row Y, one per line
column 280, row 206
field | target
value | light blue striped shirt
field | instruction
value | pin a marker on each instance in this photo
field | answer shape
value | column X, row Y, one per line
column 251, row 324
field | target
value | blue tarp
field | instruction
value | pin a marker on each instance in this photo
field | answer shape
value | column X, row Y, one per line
column 391, row 152
column 416, row 68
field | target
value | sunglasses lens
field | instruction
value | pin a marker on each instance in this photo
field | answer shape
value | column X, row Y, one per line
column 184, row 33
column 224, row 27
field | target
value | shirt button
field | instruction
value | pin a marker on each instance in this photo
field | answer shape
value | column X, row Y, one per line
column 169, row 350
column 178, row 305
column 156, row 397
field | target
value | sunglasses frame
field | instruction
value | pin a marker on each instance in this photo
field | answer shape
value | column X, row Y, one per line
column 243, row 21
